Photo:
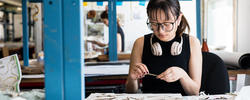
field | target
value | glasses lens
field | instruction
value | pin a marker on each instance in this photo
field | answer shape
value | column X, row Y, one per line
column 164, row 26
column 168, row 26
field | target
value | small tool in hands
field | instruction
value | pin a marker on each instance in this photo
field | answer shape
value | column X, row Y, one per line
column 152, row 74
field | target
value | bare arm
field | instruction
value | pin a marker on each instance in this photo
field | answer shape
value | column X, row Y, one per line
column 191, row 83
column 97, row 43
column 119, row 42
column 137, row 70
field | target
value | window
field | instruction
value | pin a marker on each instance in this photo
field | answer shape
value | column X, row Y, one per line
column 220, row 24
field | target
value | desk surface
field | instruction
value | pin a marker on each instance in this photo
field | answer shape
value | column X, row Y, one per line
column 32, row 78
column 98, row 78
column 112, row 96
column 14, row 44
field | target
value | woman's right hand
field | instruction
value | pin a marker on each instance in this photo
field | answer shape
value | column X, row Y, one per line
column 138, row 71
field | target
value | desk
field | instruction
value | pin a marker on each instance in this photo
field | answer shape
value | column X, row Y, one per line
column 9, row 48
column 112, row 96
column 93, row 78
column 32, row 81
column 240, row 71
column 108, row 79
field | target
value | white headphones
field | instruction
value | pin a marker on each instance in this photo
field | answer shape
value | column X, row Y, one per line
column 176, row 47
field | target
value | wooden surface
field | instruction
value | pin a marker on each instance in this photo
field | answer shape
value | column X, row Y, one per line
column 240, row 71
column 5, row 51
column 120, row 57
column 9, row 48
column 32, row 80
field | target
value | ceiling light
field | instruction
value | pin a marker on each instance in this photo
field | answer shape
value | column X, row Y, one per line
column 1, row 3
column 19, row 8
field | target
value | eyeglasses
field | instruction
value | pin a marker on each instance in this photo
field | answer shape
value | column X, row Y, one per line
column 166, row 26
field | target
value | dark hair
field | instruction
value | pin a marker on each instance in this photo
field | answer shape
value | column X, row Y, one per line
column 167, row 6
column 104, row 15
column 91, row 14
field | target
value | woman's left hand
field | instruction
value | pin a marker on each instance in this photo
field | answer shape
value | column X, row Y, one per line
column 172, row 74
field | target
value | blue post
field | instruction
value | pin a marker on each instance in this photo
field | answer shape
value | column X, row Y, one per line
column 112, row 30
column 198, row 19
column 63, row 47
column 25, row 33
column 73, row 49
column 53, row 49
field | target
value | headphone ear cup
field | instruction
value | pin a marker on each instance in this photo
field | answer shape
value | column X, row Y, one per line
column 156, row 49
column 174, row 49
column 179, row 49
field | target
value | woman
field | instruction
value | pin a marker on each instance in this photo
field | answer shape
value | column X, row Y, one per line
column 119, row 35
column 167, row 60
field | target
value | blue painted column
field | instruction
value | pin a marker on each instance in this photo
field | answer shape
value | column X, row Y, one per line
column 25, row 33
column 112, row 30
column 73, row 49
column 63, row 47
column 53, row 49
column 198, row 19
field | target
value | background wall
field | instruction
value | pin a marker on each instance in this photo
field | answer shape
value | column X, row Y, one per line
column 243, row 26
column 133, row 19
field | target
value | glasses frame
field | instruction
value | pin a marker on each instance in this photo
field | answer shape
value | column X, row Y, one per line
column 160, row 24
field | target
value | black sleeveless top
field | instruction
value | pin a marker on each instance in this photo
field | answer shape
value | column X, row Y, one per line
column 158, row 64
column 120, row 31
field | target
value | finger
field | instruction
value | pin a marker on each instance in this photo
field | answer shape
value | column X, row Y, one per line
column 139, row 71
column 167, row 79
column 135, row 73
column 171, row 79
column 169, row 70
column 162, row 75
column 169, row 74
column 139, row 66
column 145, row 68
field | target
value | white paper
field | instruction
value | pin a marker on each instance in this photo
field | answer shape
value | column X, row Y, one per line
column 10, row 73
column 112, row 96
column 244, row 93
column 229, row 58
column 100, row 70
column 33, row 76
column 240, row 81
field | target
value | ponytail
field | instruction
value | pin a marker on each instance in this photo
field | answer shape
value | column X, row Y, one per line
column 182, row 27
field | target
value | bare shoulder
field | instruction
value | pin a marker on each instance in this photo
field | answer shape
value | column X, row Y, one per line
column 194, row 41
column 138, row 46
column 139, row 41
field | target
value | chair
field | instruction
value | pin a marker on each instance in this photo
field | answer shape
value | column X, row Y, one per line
column 215, row 78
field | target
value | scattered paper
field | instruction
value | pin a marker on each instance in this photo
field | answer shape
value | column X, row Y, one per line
column 112, row 96
column 10, row 73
